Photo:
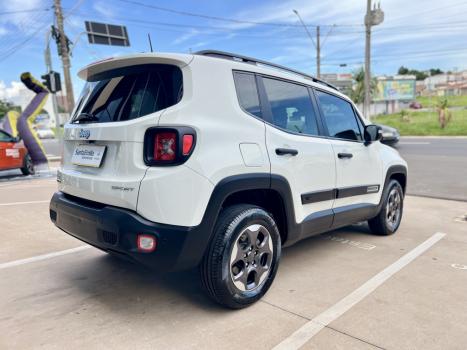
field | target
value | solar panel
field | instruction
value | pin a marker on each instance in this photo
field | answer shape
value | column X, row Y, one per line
column 107, row 34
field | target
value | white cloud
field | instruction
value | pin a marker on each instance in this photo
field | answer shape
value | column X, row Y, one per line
column 104, row 9
column 409, row 26
column 19, row 19
column 3, row 31
column 15, row 93
column 185, row 37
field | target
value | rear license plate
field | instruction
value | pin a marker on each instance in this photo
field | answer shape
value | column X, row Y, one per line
column 88, row 155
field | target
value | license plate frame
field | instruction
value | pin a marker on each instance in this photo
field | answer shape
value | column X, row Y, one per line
column 88, row 155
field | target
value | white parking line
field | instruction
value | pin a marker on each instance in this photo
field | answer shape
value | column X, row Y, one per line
column 43, row 257
column 21, row 203
column 314, row 326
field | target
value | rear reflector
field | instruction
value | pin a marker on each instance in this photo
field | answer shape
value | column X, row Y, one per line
column 187, row 144
column 165, row 146
column 146, row 243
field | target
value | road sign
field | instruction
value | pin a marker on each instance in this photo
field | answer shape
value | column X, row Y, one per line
column 107, row 34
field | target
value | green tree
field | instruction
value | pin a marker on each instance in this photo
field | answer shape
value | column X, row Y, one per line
column 6, row 106
column 419, row 75
column 403, row 70
column 358, row 90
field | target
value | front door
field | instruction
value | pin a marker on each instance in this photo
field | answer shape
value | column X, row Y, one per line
column 359, row 174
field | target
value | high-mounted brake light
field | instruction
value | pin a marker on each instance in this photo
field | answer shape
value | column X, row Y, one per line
column 187, row 144
column 165, row 146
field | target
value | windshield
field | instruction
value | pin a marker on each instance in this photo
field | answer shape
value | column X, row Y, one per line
column 129, row 93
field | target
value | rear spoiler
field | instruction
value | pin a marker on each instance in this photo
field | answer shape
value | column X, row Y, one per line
column 111, row 63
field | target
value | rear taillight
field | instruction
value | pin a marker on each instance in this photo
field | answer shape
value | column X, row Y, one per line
column 187, row 144
column 165, row 146
column 168, row 146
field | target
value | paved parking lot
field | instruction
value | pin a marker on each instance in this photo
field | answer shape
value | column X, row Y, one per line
column 343, row 290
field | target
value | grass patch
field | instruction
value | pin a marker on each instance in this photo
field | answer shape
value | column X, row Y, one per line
column 426, row 123
column 430, row 102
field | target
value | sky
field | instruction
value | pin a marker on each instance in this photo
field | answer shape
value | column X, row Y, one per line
column 419, row 34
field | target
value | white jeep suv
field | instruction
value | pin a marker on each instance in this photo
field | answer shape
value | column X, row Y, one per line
column 217, row 161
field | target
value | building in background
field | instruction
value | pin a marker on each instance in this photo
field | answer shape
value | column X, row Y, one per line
column 343, row 81
column 446, row 84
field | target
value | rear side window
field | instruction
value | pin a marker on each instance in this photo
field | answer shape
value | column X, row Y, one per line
column 245, row 84
column 291, row 106
column 130, row 93
column 339, row 117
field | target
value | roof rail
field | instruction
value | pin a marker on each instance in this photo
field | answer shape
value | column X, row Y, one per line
column 245, row 59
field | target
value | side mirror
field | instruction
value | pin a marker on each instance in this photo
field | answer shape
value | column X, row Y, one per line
column 372, row 133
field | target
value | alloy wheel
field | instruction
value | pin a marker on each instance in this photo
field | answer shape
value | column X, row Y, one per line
column 251, row 257
column 393, row 208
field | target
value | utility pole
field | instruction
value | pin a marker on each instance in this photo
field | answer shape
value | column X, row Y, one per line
column 318, row 54
column 372, row 18
column 48, row 64
column 317, row 45
column 64, row 53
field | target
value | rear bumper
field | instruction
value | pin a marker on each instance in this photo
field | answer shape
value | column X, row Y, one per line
column 115, row 230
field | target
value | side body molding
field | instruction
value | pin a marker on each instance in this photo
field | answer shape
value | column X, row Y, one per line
column 314, row 224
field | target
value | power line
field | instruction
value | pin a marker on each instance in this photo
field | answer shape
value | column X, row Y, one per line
column 232, row 20
column 443, row 8
column 24, row 11
column 26, row 24
column 22, row 44
column 220, row 30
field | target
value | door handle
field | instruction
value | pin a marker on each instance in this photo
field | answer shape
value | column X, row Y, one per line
column 284, row 151
column 344, row 155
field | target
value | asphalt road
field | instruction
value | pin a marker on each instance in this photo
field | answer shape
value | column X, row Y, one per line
column 346, row 289
column 52, row 147
column 437, row 166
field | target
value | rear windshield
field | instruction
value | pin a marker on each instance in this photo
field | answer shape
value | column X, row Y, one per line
column 129, row 93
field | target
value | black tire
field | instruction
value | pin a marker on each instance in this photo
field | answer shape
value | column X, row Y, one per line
column 216, row 269
column 28, row 166
column 381, row 224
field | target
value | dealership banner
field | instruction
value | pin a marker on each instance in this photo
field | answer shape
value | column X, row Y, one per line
column 392, row 90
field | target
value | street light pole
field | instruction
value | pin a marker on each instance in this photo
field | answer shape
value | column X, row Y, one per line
column 316, row 45
column 318, row 54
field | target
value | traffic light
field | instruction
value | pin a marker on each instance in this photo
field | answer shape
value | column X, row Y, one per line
column 52, row 81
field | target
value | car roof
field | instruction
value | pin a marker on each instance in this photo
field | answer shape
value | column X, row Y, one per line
column 233, row 61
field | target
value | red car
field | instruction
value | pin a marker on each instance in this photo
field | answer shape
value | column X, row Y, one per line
column 14, row 155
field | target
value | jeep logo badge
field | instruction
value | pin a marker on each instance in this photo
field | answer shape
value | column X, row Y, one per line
column 84, row 134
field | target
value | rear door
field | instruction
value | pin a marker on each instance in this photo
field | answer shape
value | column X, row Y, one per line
column 103, row 143
column 358, row 166
column 297, row 151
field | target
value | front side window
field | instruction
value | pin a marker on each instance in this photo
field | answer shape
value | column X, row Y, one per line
column 291, row 106
column 245, row 84
column 339, row 117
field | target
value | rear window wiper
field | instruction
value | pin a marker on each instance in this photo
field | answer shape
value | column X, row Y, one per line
column 85, row 117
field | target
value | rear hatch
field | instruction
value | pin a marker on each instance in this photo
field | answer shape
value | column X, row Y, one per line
column 104, row 140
